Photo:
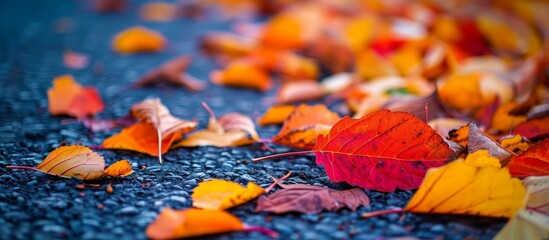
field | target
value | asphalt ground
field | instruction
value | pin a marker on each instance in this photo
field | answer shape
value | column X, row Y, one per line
column 36, row 206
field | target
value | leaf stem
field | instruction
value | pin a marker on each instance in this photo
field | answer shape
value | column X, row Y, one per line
column 287, row 154
column 263, row 230
column 277, row 181
column 22, row 168
column 382, row 212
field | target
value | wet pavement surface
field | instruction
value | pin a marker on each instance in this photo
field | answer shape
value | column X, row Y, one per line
column 36, row 206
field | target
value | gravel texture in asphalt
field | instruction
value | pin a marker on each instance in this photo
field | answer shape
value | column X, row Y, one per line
column 36, row 206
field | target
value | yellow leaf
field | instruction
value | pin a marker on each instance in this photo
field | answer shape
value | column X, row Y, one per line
column 515, row 143
column 458, row 188
column 173, row 224
column 482, row 158
column 221, row 194
column 120, row 168
column 232, row 129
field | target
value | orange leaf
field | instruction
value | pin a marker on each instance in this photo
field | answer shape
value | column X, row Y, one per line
column 70, row 161
column 141, row 137
column 304, row 124
column 462, row 91
column 137, row 40
column 69, row 97
column 220, row 194
column 534, row 162
column 275, row 115
column 283, row 31
column 223, row 45
column 459, row 188
column 242, row 74
column 173, row 224
column 296, row 67
column 503, row 120
column 120, row 168
column 154, row 112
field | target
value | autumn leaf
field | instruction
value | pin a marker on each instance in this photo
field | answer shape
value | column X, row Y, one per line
column 482, row 158
column 304, row 124
column 459, row 188
column 311, row 199
column 70, row 161
column 70, row 98
column 538, row 193
column 299, row 91
column 462, row 91
column 381, row 151
column 158, row 12
column 167, row 126
column 174, row 224
column 242, row 74
column 460, row 135
column 478, row 140
column 172, row 72
column 275, row 114
column 141, row 137
column 533, row 162
column 534, row 129
column 503, row 120
column 75, row 60
column 221, row 194
column 138, row 40
column 295, row 67
column 232, row 129
column 120, row 168
column 525, row 225
column 283, row 31
column 225, row 46
column 515, row 143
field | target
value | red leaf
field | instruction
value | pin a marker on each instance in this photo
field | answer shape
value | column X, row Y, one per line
column 534, row 162
column 534, row 129
column 381, row 151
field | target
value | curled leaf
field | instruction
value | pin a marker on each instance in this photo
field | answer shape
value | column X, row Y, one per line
column 459, row 188
column 154, row 112
column 172, row 72
column 71, row 161
column 220, row 194
column 304, row 124
column 120, row 168
column 299, row 91
column 137, row 40
column 478, row 140
column 232, row 129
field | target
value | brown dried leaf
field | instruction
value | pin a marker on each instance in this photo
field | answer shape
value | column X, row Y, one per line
column 311, row 199
column 478, row 140
column 172, row 72
column 232, row 129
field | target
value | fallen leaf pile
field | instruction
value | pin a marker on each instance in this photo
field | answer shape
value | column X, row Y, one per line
column 449, row 99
